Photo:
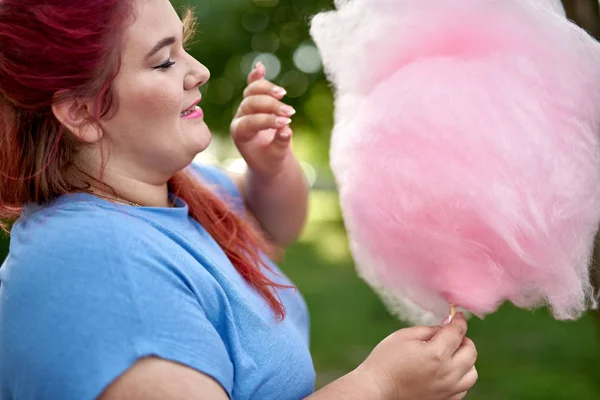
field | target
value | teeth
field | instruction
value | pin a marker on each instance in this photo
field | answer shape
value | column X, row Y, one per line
column 183, row 114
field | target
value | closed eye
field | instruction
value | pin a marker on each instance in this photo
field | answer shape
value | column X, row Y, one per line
column 166, row 65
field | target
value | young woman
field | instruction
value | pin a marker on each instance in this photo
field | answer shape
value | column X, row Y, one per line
column 134, row 274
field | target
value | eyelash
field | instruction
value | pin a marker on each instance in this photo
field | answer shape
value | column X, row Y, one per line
column 166, row 65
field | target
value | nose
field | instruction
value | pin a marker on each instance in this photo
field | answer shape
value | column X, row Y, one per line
column 197, row 75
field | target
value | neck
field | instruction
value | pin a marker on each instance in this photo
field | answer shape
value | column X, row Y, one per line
column 136, row 192
column 127, row 189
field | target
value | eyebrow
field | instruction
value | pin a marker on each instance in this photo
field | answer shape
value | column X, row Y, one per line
column 168, row 41
column 162, row 43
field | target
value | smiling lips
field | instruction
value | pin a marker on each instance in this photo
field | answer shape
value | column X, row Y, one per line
column 192, row 112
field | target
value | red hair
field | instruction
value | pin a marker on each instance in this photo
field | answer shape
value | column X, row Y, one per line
column 55, row 50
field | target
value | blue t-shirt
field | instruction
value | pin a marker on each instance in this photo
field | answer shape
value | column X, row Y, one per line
column 91, row 286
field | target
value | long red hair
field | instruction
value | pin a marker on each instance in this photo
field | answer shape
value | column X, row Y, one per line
column 59, row 49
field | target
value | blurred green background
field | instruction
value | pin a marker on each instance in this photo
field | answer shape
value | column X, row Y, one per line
column 522, row 354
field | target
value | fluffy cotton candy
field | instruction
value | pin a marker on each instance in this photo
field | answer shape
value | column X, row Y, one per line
column 465, row 151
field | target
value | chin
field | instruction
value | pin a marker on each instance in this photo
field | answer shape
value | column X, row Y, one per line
column 199, row 139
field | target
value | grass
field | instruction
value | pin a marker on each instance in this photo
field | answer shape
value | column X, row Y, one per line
column 522, row 354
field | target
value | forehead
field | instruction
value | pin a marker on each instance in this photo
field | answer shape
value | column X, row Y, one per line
column 152, row 21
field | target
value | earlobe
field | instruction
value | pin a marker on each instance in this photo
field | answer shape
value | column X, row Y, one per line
column 76, row 116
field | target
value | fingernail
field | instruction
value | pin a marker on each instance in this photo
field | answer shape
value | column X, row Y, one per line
column 287, row 110
column 258, row 63
column 282, row 121
column 446, row 321
column 285, row 135
column 279, row 91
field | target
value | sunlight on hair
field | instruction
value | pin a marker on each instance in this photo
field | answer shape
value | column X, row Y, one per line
column 190, row 23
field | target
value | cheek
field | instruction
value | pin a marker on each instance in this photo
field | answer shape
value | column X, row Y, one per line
column 151, row 101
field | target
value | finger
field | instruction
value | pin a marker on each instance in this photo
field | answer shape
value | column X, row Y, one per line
column 467, row 381
column 420, row 333
column 246, row 127
column 258, row 72
column 465, row 357
column 283, row 136
column 280, row 145
column 264, row 104
column 450, row 337
column 263, row 86
column 458, row 396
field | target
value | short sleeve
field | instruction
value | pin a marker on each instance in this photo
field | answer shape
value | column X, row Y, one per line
column 221, row 182
column 81, row 310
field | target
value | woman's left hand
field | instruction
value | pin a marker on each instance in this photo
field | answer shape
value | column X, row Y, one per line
column 260, row 129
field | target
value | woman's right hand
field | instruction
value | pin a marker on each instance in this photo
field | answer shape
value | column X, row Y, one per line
column 433, row 363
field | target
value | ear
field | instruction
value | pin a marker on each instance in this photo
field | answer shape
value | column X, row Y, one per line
column 77, row 116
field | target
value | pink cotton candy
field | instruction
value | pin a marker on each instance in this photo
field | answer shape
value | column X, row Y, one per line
column 466, row 151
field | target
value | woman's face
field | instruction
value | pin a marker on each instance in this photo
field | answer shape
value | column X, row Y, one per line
column 152, row 135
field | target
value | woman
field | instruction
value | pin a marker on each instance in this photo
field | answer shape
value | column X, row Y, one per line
column 133, row 274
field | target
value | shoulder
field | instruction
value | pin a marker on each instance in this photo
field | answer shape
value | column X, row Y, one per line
column 74, row 231
column 87, row 292
column 220, row 181
column 83, row 244
column 213, row 174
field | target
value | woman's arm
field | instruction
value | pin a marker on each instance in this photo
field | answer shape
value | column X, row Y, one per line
column 279, row 203
column 349, row 387
column 274, row 188
column 432, row 363
column 157, row 379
